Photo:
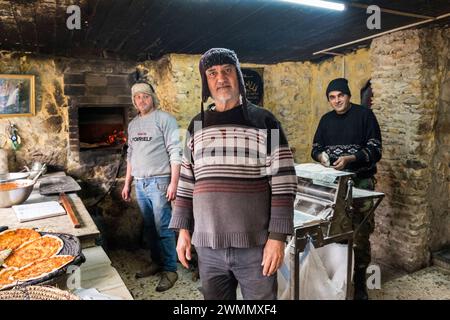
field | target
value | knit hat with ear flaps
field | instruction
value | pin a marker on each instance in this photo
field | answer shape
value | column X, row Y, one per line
column 142, row 87
column 219, row 56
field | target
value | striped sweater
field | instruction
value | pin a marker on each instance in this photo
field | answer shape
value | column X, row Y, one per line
column 237, row 181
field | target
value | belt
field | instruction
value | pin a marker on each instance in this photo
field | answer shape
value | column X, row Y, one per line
column 143, row 178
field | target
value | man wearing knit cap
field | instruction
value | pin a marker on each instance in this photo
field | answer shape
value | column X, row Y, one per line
column 237, row 186
column 153, row 161
column 348, row 138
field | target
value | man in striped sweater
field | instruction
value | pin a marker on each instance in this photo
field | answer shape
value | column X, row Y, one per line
column 237, row 187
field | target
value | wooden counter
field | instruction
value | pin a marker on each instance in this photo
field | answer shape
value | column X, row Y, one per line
column 61, row 224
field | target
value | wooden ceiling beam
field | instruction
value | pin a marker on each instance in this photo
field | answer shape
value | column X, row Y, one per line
column 390, row 11
column 408, row 26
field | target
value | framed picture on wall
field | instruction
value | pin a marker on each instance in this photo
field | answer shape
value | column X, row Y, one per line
column 17, row 95
column 254, row 85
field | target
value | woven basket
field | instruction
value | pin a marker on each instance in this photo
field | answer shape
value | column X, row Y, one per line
column 37, row 293
column 72, row 246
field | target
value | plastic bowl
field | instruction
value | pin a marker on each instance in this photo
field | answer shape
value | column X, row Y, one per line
column 15, row 192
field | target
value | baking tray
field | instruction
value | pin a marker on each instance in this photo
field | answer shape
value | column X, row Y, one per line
column 56, row 185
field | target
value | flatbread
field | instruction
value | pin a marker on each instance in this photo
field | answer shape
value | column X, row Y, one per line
column 41, row 268
column 40, row 248
column 6, row 278
column 12, row 239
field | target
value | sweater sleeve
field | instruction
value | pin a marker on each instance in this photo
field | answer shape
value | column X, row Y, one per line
column 318, row 143
column 283, row 182
column 182, row 215
column 172, row 139
column 129, row 143
column 370, row 153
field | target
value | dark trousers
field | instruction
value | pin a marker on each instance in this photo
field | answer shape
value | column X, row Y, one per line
column 221, row 270
column 361, row 239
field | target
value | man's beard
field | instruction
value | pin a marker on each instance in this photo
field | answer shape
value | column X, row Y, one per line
column 224, row 98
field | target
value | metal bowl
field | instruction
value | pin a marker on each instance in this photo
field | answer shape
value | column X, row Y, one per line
column 15, row 192
column 14, row 176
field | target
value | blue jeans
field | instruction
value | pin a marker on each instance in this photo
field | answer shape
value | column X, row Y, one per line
column 157, row 212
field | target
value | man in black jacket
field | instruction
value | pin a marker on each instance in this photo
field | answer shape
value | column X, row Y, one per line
column 348, row 138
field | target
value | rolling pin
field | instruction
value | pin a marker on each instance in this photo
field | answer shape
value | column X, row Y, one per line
column 66, row 204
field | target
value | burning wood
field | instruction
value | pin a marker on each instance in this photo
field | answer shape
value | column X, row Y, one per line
column 117, row 138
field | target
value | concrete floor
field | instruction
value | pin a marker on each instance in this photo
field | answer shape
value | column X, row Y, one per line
column 429, row 283
column 432, row 283
column 127, row 263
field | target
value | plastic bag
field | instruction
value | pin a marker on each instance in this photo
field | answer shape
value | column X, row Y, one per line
column 283, row 274
column 323, row 273
column 334, row 259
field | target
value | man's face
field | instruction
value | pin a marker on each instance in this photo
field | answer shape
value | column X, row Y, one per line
column 223, row 83
column 143, row 102
column 339, row 101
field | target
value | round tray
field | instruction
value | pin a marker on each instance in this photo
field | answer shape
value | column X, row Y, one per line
column 72, row 246
column 37, row 293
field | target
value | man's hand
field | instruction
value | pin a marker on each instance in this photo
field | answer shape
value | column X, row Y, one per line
column 184, row 247
column 342, row 162
column 324, row 159
column 273, row 256
column 126, row 192
column 171, row 191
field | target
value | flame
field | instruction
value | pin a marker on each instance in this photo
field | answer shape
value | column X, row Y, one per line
column 117, row 137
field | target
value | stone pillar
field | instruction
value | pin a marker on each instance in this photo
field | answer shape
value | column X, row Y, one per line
column 406, row 82
column 437, row 57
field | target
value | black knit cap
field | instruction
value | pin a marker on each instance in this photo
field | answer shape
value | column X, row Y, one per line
column 339, row 84
column 220, row 56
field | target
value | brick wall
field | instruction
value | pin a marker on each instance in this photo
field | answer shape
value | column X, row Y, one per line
column 94, row 84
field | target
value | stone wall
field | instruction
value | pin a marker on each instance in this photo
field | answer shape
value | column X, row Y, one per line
column 287, row 95
column 436, row 53
column 409, row 72
column 49, row 126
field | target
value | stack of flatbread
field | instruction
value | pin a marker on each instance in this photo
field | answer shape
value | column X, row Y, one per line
column 33, row 256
